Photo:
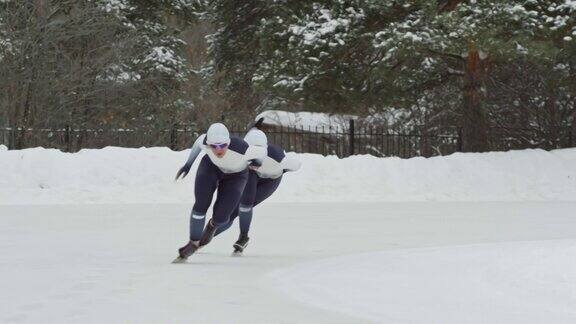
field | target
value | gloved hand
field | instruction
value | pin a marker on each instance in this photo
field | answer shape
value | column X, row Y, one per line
column 258, row 123
column 183, row 172
column 255, row 164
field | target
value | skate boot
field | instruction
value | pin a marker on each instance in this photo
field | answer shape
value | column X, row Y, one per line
column 241, row 244
column 208, row 233
column 186, row 251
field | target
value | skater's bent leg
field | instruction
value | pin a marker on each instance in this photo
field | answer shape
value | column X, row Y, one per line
column 224, row 227
column 265, row 189
column 205, row 184
column 250, row 190
column 197, row 222
column 229, row 190
column 228, row 197
column 245, row 216
column 247, row 201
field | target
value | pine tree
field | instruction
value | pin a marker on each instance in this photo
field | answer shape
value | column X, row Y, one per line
column 93, row 62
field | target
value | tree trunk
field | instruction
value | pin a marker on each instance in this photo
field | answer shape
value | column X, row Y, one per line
column 553, row 131
column 24, row 122
column 24, row 119
column 474, row 124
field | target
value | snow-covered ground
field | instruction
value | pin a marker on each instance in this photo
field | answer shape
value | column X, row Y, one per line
column 520, row 282
column 120, row 175
column 89, row 237
column 110, row 264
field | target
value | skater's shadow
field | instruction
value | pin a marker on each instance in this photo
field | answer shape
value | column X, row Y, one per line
column 197, row 263
column 230, row 257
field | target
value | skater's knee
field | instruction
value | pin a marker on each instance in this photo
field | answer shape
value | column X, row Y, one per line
column 221, row 223
column 197, row 216
column 245, row 208
column 200, row 209
column 220, row 217
column 225, row 226
column 248, row 200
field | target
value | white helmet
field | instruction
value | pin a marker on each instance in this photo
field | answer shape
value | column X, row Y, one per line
column 217, row 134
column 256, row 137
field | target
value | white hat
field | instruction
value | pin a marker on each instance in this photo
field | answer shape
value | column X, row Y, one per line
column 256, row 137
column 217, row 134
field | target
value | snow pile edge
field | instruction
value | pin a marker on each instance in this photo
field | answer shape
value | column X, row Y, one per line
column 145, row 175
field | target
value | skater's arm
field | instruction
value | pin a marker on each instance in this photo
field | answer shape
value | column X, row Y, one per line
column 290, row 164
column 196, row 149
column 255, row 164
column 255, row 153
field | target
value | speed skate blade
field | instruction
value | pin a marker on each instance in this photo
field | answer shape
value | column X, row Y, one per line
column 179, row 260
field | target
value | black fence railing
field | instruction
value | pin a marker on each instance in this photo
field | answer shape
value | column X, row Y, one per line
column 340, row 141
column 364, row 140
column 70, row 139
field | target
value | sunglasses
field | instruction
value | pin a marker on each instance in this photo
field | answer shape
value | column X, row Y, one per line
column 219, row 146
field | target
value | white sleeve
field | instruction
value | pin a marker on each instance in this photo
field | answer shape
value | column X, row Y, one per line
column 196, row 149
column 255, row 153
column 290, row 164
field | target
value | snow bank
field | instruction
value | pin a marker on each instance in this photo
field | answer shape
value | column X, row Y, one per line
column 317, row 122
column 124, row 175
column 521, row 282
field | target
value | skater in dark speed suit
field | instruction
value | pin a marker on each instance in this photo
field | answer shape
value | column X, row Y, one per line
column 224, row 167
column 262, row 183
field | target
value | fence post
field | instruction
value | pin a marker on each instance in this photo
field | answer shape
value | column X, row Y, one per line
column 68, row 138
column 11, row 138
column 351, row 135
column 173, row 139
column 21, row 138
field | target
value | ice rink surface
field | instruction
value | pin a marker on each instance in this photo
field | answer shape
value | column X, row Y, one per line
column 306, row 263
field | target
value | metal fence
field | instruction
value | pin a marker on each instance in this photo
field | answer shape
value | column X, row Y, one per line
column 320, row 140
column 70, row 139
column 340, row 141
column 365, row 140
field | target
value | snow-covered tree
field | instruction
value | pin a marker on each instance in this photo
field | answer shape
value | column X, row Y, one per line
column 372, row 56
column 317, row 56
column 416, row 66
column 117, row 62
